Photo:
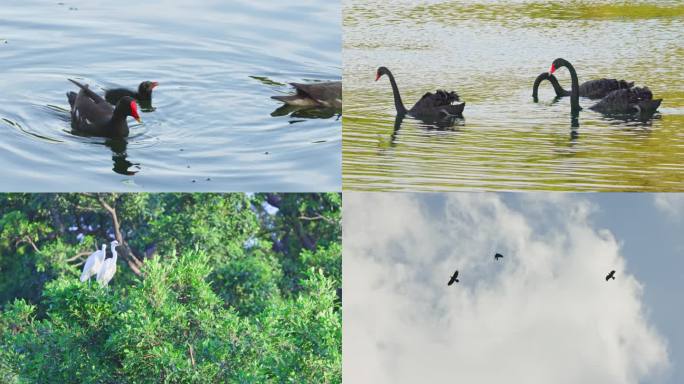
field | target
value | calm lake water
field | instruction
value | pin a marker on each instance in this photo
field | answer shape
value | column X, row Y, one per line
column 490, row 52
column 217, row 63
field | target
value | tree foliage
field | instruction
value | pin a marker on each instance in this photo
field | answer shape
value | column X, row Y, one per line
column 210, row 288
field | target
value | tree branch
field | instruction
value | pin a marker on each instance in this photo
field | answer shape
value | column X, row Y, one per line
column 317, row 217
column 133, row 260
column 78, row 256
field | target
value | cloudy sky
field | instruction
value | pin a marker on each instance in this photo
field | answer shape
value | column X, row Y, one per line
column 543, row 314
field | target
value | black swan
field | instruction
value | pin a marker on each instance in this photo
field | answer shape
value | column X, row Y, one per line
column 91, row 114
column 592, row 89
column 144, row 94
column 431, row 106
column 620, row 101
column 320, row 95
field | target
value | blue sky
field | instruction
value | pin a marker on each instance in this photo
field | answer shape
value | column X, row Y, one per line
column 544, row 314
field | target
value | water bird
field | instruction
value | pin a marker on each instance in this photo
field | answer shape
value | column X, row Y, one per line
column 430, row 107
column 91, row 114
column 319, row 95
column 105, row 274
column 498, row 256
column 611, row 275
column 592, row 89
column 93, row 263
column 143, row 95
column 454, row 278
column 618, row 102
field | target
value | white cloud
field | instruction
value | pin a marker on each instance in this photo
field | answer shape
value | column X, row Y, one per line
column 671, row 204
column 545, row 314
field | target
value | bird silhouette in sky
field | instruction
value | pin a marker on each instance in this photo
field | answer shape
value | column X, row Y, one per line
column 611, row 275
column 454, row 278
column 498, row 256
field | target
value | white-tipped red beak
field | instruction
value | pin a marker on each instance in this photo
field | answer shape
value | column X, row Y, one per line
column 553, row 69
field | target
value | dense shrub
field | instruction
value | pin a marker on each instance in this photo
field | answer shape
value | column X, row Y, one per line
column 210, row 289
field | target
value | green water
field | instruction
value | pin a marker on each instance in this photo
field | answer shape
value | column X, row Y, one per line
column 490, row 53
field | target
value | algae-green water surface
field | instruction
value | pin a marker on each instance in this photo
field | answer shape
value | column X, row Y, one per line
column 490, row 53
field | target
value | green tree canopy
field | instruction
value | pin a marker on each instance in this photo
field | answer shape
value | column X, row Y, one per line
column 209, row 288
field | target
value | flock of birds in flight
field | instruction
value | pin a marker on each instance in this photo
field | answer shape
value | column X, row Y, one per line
column 98, row 265
column 454, row 277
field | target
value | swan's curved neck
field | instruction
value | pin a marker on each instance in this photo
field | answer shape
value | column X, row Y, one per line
column 398, row 104
column 574, row 92
column 560, row 92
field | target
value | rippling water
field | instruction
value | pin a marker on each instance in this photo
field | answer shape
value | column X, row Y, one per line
column 490, row 52
column 217, row 63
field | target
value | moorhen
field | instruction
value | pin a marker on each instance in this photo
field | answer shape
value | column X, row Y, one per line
column 319, row 95
column 144, row 94
column 92, row 115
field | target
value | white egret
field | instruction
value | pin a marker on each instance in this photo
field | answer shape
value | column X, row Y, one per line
column 105, row 274
column 93, row 263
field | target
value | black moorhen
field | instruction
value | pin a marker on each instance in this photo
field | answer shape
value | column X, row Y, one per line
column 92, row 115
column 144, row 94
column 320, row 95
column 432, row 106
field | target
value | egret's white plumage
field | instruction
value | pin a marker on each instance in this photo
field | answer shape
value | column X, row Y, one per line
column 108, row 267
column 93, row 263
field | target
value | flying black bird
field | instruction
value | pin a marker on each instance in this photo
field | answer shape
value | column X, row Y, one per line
column 611, row 275
column 498, row 256
column 453, row 278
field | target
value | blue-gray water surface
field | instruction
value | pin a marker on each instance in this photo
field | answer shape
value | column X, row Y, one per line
column 217, row 62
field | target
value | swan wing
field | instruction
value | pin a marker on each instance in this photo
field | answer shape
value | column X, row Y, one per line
column 600, row 88
column 435, row 100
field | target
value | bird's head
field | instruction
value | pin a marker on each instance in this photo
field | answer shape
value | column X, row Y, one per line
column 381, row 71
column 146, row 87
column 557, row 64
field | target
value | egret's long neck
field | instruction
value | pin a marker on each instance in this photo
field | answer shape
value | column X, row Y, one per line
column 114, row 254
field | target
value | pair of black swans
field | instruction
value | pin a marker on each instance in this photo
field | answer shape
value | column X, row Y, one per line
column 93, row 115
column 617, row 97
